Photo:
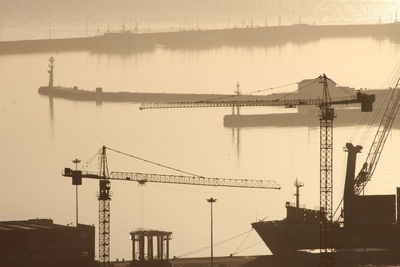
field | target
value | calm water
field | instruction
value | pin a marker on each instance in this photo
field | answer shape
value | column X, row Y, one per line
column 39, row 139
column 61, row 18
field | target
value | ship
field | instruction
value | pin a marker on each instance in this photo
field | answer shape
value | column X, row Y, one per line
column 368, row 221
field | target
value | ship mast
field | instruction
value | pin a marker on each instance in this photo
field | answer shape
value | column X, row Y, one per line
column 51, row 72
column 298, row 184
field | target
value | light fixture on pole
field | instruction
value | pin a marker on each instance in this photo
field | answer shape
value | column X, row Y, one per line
column 76, row 161
column 211, row 201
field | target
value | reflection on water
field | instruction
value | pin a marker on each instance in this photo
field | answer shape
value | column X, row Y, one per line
column 49, row 19
column 51, row 113
column 236, row 141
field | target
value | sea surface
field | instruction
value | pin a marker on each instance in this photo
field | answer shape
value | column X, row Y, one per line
column 40, row 136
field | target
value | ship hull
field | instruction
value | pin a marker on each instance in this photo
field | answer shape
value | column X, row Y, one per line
column 284, row 239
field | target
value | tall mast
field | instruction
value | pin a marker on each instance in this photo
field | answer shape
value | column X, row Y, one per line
column 51, row 72
column 298, row 184
column 104, row 198
column 327, row 114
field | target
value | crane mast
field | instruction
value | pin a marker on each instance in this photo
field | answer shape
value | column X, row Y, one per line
column 104, row 198
column 327, row 114
column 368, row 168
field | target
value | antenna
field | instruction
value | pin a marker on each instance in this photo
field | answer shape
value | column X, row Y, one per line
column 298, row 184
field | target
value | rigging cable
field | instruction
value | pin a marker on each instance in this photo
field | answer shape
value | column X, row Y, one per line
column 368, row 120
column 298, row 90
column 87, row 163
column 248, row 93
column 241, row 244
column 246, row 248
column 392, row 79
column 378, row 115
column 154, row 163
column 216, row 244
column 346, row 90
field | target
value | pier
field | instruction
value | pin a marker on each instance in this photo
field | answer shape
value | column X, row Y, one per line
column 126, row 41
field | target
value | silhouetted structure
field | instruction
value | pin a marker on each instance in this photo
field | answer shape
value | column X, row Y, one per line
column 142, row 238
column 211, row 201
column 104, row 195
column 369, row 222
column 40, row 242
column 130, row 42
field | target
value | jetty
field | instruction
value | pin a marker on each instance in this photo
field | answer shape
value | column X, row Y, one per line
column 98, row 95
column 75, row 93
column 127, row 41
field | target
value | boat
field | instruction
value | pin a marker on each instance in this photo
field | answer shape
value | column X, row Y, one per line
column 369, row 221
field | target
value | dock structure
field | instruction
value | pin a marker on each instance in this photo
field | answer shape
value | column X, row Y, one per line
column 133, row 42
column 142, row 238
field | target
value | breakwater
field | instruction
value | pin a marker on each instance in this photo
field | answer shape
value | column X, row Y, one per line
column 127, row 41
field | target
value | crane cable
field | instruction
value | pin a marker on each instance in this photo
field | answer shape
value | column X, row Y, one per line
column 262, row 90
column 391, row 79
column 346, row 90
column 298, row 90
column 367, row 120
column 241, row 244
column 216, row 244
column 154, row 163
column 246, row 248
column 376, row 117
column 247, row 93
column 87, row 163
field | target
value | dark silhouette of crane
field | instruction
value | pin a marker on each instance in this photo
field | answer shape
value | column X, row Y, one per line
column 392, row 107
column 326, row 116
column 104, row 195
column 357, row 183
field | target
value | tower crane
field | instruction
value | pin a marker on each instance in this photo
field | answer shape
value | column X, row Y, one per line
column 326, row 116
column 104, row 195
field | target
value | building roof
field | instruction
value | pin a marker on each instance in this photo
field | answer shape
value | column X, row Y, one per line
column 151, row 233
column 32, row 224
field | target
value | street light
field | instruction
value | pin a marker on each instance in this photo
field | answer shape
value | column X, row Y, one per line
column 76, row 161
column 211, row 201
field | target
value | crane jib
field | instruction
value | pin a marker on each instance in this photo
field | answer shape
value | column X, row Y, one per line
column 143, row 178
column 366, row 101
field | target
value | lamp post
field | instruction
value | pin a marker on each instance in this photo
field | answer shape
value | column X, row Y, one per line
column 76, row 161
column 211, row 201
